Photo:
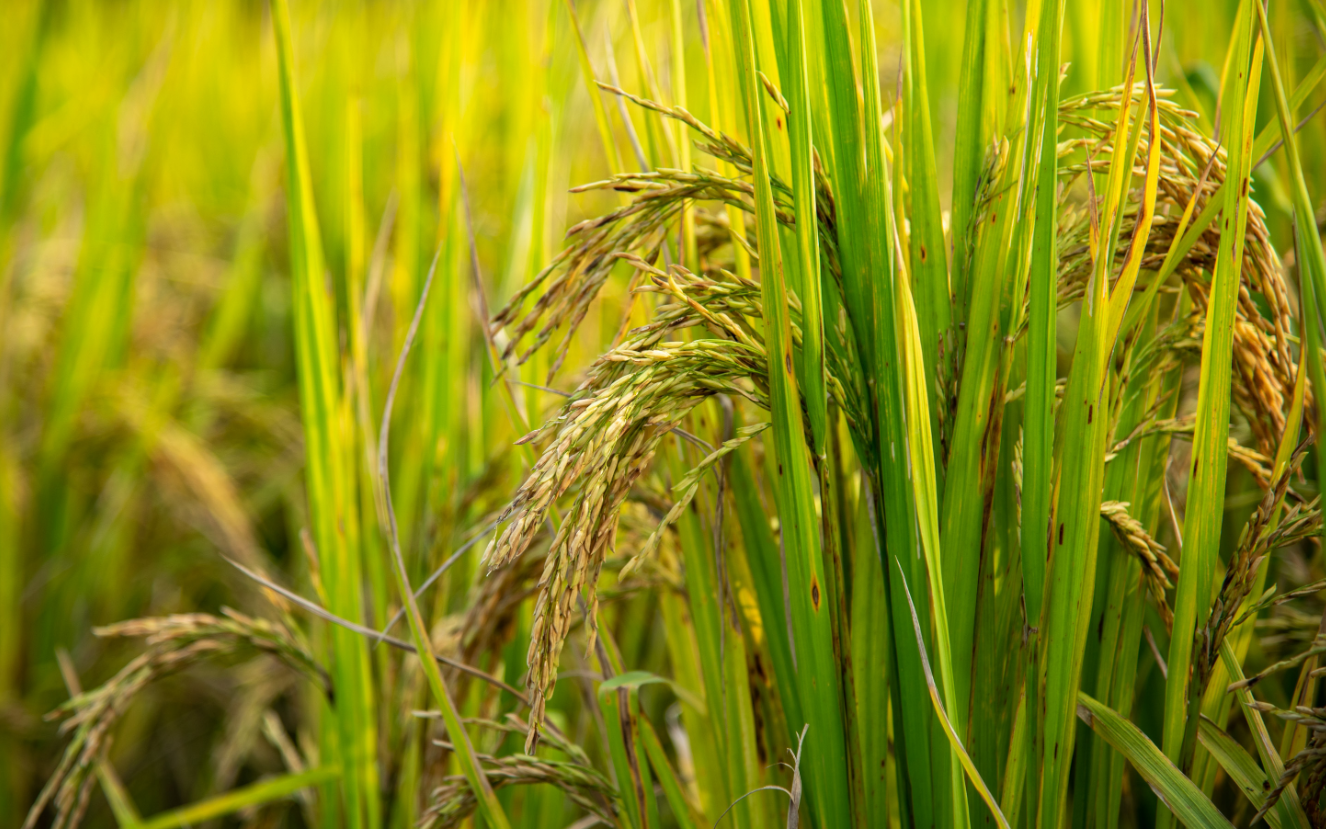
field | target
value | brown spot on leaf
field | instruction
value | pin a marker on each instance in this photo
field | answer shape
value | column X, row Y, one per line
column 1061, row 533
column 1091, row 410
column 815, row 593
column 923, row 254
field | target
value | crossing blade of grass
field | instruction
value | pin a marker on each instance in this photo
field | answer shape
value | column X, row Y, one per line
column 954, row 740
column 922, row 466
column 329, row 475
column 1289, row 807
column 1013, row 794
column 1179, row 794
column 489, row 806
column 1206, row 493
column 248, row 797
column 1239, row 765
column 122, row 806
column 358, row 386
column 403, row 287
column 1273, row 134
column 374, row 635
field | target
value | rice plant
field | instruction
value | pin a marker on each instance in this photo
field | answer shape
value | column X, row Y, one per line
column 650, row 414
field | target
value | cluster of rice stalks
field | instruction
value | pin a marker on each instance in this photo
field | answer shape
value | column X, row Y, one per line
column 865, row 504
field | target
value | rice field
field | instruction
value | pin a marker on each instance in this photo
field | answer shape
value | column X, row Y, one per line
column 647, row 413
